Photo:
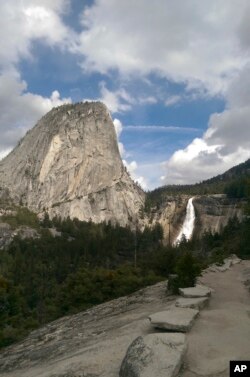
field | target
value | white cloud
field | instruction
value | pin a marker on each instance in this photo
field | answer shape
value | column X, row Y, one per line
column 132, row 168
column 198, row 43
column 4, row 153
column 120, row 100
column 182, row 169
column 225, row 143
column 172, row 100
column 19, row 110
column 117, row 101
column 147, row 100
column 118, row 127
column 118, row 130
column 205, row 45
column 238, row 94
column 157, row 128
column 24, row 21
column 192, row 164
column 244, row 28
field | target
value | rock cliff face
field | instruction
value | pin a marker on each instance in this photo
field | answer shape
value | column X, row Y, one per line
column 214, row 211
column 69, row 165
column 170, row 215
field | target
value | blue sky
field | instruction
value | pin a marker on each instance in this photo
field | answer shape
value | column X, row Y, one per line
column 175, row 77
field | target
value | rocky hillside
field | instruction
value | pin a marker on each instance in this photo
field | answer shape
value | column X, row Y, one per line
column 215, row 200
column 69, row 165
column 94, row 343
column 214, row 185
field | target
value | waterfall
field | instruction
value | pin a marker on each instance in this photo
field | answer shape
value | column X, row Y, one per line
column 188, row 225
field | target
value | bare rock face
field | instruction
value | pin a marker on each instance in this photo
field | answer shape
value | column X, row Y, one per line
column 91, row 343
column 7, row 234
column 158, row 355
column 170, row 215
column 69, row 165
column 214, row 212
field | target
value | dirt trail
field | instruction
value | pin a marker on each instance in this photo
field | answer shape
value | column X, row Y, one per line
column 222, row 331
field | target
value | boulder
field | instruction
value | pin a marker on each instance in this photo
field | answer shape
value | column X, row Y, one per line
column 197, row 291
column 175, row 319
column 192, row 303
column 154, row 355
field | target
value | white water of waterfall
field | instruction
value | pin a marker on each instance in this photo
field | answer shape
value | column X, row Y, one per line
column 188, row 225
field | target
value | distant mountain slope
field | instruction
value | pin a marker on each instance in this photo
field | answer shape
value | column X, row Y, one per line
column 235, row 172
column 215, row 185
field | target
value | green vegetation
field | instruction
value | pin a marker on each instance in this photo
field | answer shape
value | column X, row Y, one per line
column 238, row 188
column 44, row 278
column 22, row 216
column 187, row 269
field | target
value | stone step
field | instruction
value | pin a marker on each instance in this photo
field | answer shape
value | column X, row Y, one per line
column 174, row 319
column 192, row 303
column 197, row 291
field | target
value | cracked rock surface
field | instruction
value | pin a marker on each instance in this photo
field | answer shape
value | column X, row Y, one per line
column 89, row 344
column 154, row 355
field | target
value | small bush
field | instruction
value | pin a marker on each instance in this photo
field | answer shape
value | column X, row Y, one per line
column 187, row 270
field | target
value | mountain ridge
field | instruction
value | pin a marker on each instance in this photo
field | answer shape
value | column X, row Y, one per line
column 214, row 185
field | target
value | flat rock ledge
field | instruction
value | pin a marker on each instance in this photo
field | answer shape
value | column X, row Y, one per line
column 154, row 355
column 175, row 319
column 192, row 303
column 195, row 292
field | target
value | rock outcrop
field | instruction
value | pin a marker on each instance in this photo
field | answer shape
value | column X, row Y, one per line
column 7, row 233
column 69, row 165
column 154, row 355
column 91, row 343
